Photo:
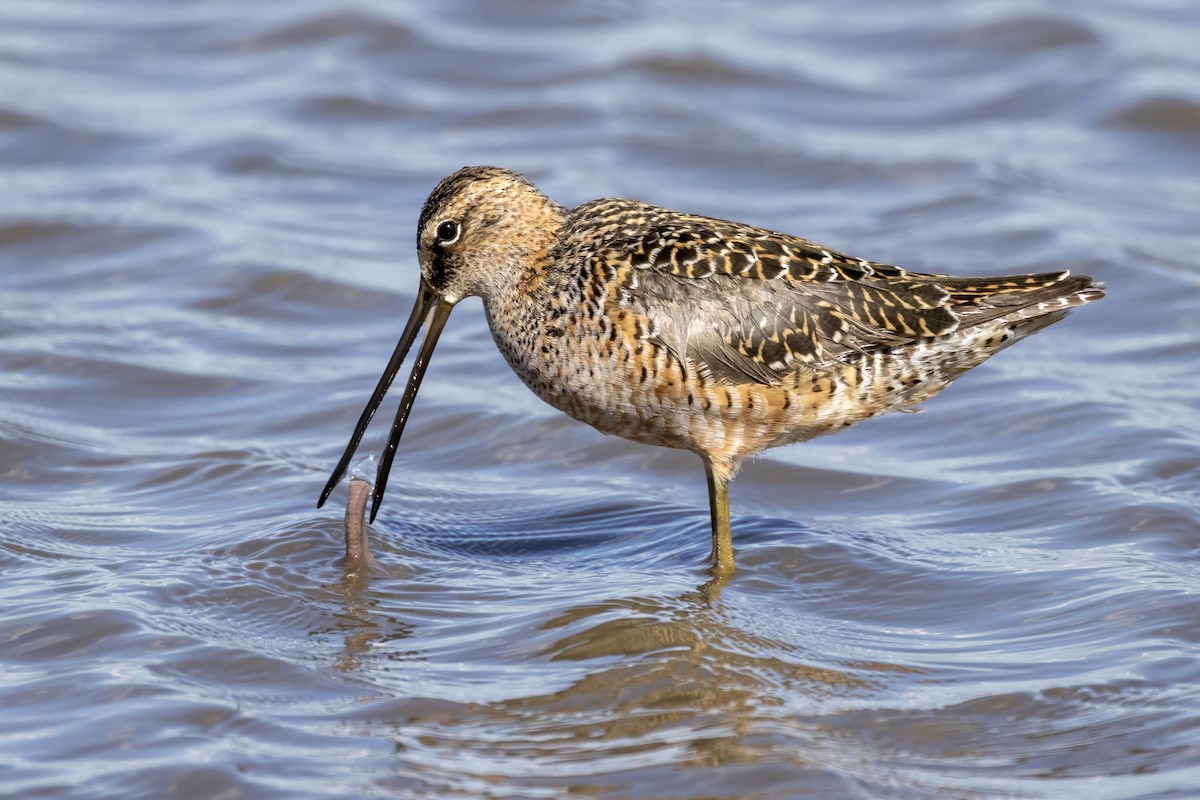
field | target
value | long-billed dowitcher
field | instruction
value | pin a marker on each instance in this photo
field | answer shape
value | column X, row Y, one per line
column 697, row 333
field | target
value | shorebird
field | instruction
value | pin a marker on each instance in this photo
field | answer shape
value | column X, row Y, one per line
column 696, row 333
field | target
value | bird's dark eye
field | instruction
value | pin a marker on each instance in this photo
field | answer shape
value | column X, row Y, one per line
column 447, row 232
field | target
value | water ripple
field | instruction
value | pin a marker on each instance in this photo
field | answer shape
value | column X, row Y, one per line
column 206, row 256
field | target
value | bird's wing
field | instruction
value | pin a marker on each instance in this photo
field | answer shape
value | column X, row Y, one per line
column 754, row 305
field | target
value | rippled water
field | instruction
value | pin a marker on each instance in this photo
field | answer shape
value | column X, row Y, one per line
column 206, row 256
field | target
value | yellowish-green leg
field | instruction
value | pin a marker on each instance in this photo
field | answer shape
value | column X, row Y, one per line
column 718, row 506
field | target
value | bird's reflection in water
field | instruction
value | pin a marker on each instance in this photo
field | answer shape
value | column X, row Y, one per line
column 680, row 674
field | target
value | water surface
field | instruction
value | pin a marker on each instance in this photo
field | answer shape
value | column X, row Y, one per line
column 206, row 256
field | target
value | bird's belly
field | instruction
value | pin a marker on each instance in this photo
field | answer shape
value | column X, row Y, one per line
column 617, row 403
column 665, row 403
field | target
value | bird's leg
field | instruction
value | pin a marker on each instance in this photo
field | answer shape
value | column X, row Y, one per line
column 718, row 506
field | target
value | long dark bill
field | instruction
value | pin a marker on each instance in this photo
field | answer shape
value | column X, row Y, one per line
column 429, row 305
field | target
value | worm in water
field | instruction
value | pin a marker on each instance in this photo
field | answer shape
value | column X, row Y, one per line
column 358, row 549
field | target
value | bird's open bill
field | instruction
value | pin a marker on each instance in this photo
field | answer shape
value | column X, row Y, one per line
column 432, row 306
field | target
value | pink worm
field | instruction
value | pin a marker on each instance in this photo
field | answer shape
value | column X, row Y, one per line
column 358, row 549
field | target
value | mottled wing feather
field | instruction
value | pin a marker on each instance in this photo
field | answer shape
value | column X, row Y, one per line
column 752, row 304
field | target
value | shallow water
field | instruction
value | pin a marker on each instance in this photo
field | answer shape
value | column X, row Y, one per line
column 206, row 256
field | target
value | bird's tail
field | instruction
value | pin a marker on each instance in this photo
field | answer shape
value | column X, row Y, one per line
column 1018, row 298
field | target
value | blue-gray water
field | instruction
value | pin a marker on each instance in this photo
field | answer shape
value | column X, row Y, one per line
column 206, row 257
